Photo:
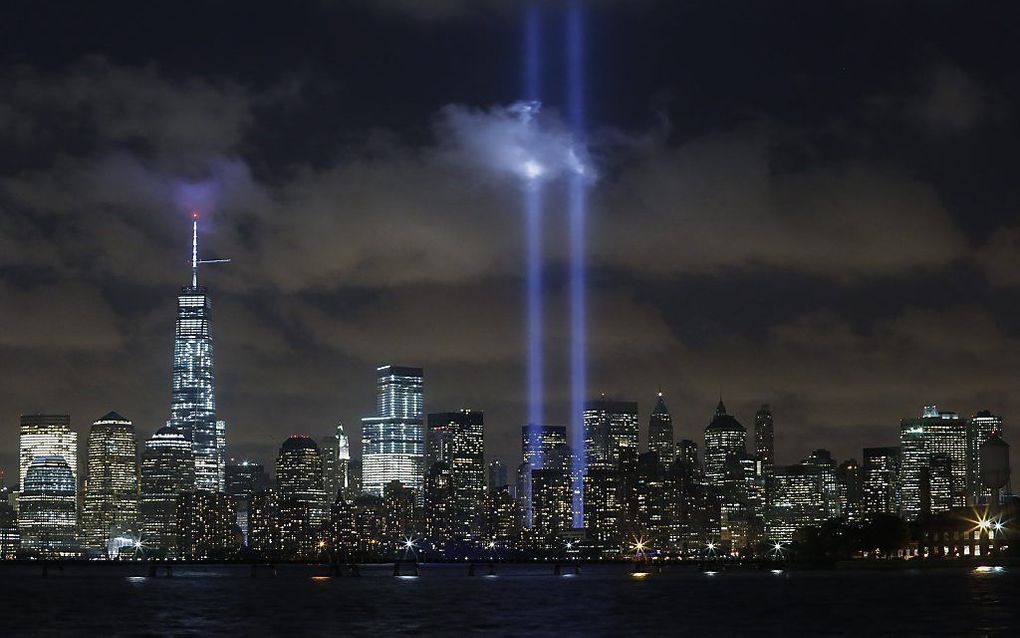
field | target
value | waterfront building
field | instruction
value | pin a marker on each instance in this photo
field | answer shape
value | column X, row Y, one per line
column 602, row 508
column 299, row 477
column 47, row 435
column 660, row 432
column 822, row 460
column 401, row 514
column 880, row 481
column 393, row 441
column 47, row 508
column 10, row 538
column 265, row 537
column 552, row 506
column 460, row 443
column 167, row 470
column 206, row 527
column 440, row 504
column 723, row 436
column 798, row 501
column 502, row 521
column 243, row 479
column 110, row 511
column 935, row 432
column 980, row 427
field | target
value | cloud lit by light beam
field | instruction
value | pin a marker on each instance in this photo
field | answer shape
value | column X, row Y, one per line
column 517, row 140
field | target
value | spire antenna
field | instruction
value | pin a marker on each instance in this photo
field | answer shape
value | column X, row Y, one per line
column 195, row 261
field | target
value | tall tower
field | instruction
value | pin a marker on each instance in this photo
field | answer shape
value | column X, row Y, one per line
column 193, row 404
column 393, row 441
column 764, row 439
column 111, row 494
column 660, row 432
column 460, row 444
column 723, row 436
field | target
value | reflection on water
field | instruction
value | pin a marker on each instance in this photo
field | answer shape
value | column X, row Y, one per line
column 516, row 599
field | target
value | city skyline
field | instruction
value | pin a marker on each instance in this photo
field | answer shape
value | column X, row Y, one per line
column 349, row 223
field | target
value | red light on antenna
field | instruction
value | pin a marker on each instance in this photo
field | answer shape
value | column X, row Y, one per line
column 194, row 214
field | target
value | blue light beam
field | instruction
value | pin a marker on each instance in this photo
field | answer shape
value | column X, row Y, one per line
column 577, row 212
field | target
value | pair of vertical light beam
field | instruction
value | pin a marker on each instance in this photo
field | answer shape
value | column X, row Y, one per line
column 576, row 213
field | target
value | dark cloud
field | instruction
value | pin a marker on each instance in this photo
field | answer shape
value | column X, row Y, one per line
column 402, row 243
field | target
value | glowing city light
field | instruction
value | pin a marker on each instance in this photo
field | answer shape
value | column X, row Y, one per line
column 410, row 544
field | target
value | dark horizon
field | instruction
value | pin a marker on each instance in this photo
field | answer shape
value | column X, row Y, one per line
column 806, row 206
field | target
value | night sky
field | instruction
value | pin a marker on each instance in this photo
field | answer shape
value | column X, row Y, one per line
column 810, row 204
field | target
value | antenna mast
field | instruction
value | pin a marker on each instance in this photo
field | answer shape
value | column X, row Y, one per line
column 195, row 261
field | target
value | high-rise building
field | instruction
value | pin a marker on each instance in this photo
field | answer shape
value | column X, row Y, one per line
column 440, row 508
column 850, row 491
column 264, row 537
column 880, row 480
column 552, row 504
column 660, row 432
column 797, row 501
column 602, row 508
column 193, row 401
column 244, row 479
column 393, row 441
column 764, row 439
column 48, row 509
column 539, row 441
column 980, row 428
column 47, row 435
column 608, row 427
column 503, row 520
column 723, row 436
column 206, row 526
column 822, row 460
column 10, row 538
column 687, row 453
column 462, row 447
column 299, row 476
column 110, row 510
column 497, row 474
column 168, row 469
column 935, row 432
column 336, row 464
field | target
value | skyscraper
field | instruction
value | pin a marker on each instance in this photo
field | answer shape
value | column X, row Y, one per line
column 660, row 432
column 934, row 433
column 193, row 402
column 168, row 469
column 723, row 436
column 47, row 508
column 299, row 475
column 608, row 427
column 460, row 439
column 879, row 481
column 797, row 501
column 764, row 439
column 980, row 428
column 393, row 441
column 110, row 511
column 336, row 464
column 47, row 435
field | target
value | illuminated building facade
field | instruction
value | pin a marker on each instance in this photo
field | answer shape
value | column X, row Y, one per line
column 935, row 432
column 460, row 443
column 880, row 480
column 47, row 435
column 10, row 538
column 797, row 502
column 299, row 477
column 602, row 508
column 265, row 538
column 502, row 520
column 48, row 509
column 167, row 470
column 764, row 439
column 243, row 479
column 660, row 432
column 980, row 428
column 193, row 401
column 822, row 461
column 552, row 505
column 723, row 436
column 110, row 510
column 206, row 527
column 609, row 426
column 336, row 464
column 393, row 441
column 848, row 474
